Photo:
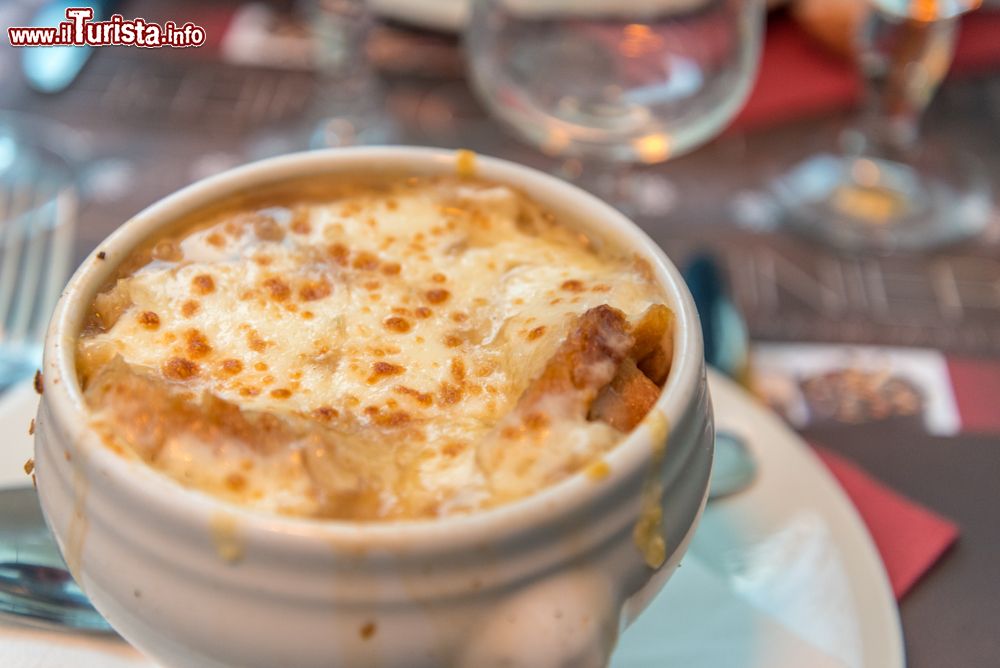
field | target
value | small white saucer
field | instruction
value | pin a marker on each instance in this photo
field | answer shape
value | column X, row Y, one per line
column 781, row 575
column 441, row 15
column 792, row 554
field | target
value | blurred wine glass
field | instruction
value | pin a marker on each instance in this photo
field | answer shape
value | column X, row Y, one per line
column 346, row 101
column 611, row 83
column 348, row 104
column 886, row 188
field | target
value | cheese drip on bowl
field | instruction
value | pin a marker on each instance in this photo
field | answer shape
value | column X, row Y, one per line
column 399, row 349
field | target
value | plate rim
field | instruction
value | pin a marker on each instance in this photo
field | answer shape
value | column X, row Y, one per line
column 891, row 652
column 21, row 397
column 442, row 15
column 18, row 397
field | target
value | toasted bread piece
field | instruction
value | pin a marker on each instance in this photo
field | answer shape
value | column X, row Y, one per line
column 515, row 457
column 148, row 410
column 654, row 343
column 624, row 402
column 585, row 361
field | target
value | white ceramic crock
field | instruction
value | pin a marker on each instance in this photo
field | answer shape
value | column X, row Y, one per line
column 546, row 581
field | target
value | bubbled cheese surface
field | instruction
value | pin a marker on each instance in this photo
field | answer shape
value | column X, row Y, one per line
column 411, row 316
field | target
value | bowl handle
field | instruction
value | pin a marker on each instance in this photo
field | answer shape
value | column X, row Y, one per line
column 568, row 620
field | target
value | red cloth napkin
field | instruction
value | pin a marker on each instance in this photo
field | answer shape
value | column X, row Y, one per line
column 975, row 382
column 798, row 77
column 909, row 537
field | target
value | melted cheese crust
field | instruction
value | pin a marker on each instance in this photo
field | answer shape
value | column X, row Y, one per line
column 406, row 318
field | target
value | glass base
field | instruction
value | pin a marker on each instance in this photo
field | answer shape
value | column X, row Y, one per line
column 866, row 203
column 637, row 191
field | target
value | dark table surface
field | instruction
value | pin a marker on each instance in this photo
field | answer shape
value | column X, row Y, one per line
column 147, row 122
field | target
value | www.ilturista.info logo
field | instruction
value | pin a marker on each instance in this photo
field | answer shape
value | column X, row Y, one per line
column 80, row 30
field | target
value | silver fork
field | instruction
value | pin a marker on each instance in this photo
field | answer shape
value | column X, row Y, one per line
column 37, row 213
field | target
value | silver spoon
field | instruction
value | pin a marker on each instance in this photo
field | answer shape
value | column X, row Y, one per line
column 37, row 589
column 727, row 348
column 734, row 467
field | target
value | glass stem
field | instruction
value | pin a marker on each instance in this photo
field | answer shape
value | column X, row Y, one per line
column 635, row 190
column 615, row 184
column 608, row 180
column 903, row 61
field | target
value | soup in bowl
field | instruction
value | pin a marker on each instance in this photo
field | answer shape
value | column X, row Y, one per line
column 384, row 406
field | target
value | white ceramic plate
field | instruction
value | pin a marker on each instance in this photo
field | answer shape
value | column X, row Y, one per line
column 782, row 571
column 17, row 410
column 444, row 15
column 792, row 547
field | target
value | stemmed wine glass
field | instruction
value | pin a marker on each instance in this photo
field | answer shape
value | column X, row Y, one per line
column 346, row 102
column 885, row 189
column 611, row 83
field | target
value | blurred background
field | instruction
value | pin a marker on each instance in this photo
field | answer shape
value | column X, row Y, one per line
column 824, row 171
